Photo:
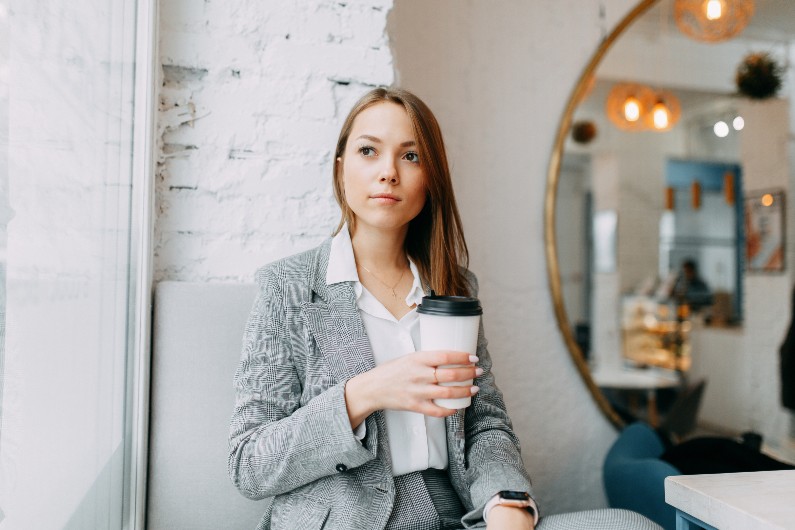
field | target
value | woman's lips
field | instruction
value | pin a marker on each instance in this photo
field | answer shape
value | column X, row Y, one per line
column 385, row 198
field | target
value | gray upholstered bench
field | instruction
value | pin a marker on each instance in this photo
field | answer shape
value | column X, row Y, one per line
column 197, row 336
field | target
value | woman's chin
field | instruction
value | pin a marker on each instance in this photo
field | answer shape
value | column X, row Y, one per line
column 382, row 223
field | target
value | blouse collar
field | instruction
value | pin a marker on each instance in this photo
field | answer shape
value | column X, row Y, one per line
column 342, row 268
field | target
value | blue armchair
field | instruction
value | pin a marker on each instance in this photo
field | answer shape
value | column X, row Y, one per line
column 633, row 475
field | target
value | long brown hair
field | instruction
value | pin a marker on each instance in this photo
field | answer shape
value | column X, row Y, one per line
column 435, row 238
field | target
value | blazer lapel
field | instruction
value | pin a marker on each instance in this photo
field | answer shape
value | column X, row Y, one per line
column 334, row 322
column 339, row 332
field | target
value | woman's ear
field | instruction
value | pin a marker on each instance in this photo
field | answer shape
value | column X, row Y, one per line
column 338, row 168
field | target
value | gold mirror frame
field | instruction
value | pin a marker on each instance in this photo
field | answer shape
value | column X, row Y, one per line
column 550, row 235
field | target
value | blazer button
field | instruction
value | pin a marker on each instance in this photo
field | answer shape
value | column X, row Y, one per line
column 342, row 468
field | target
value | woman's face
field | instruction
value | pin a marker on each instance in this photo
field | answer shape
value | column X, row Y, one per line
column 383, row 180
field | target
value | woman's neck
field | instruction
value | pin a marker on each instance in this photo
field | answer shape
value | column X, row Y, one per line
column 380, row 249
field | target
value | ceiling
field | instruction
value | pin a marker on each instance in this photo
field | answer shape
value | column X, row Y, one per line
column 773, row 21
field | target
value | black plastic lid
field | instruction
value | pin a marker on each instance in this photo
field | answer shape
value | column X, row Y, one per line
column 456, row 306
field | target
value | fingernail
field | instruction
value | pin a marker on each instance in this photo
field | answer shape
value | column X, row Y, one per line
column 473, row 358
column 474, row 389
column 478, row 371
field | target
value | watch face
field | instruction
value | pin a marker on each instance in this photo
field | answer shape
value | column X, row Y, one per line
column 514, row 495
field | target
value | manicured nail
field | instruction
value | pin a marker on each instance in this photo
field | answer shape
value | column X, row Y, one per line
column 474, row 389
column 473, row 358
column 478, row 372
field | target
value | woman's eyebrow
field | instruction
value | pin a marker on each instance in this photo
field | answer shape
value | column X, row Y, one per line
column 377, row 140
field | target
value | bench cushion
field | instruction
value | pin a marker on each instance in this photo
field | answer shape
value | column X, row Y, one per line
column 197, row 337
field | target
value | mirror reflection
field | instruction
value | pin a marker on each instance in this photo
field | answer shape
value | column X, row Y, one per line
column 658, row 247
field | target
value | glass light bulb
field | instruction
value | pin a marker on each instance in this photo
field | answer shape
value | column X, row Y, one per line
column 660, row 115
column 738, row 123
column 632, row 109
column 721, row 129
column 767, row 200
column 713, row 9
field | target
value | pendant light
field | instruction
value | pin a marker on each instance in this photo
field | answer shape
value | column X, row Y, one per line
column 665, row 111
column 695, row 194
column 728, row 188
column 628, row 104
column 713, row 20
column 670, row 198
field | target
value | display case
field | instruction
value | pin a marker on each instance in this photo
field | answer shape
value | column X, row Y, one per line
column 655, row 334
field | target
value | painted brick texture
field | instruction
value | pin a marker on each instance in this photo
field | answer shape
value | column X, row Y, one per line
column 252, row 98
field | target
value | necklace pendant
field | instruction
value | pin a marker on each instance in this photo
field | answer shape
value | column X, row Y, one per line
column 394, row 295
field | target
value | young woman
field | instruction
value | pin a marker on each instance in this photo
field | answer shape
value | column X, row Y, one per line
column 334, row 416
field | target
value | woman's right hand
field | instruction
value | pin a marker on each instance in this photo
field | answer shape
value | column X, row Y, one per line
column 410, row 383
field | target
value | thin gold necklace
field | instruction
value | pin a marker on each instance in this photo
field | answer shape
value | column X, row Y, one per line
column 394, row 294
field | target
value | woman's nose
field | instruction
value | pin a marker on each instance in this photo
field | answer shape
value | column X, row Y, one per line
column 389, row 174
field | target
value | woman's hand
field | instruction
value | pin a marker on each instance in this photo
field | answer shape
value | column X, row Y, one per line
column 510, row 518
column 410, row 383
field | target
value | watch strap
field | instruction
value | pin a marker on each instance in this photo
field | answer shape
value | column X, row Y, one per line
column 497, row 500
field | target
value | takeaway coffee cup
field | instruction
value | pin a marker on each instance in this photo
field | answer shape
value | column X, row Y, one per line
column 450, row 323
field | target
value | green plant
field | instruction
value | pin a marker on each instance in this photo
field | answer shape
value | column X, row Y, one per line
column 759, row 76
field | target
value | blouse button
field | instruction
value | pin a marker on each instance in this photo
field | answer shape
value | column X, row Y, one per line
column 342, row 468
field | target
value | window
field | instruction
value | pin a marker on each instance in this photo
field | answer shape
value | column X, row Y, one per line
column 74, row 100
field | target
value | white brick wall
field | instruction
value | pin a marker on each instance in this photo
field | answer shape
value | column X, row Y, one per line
column 252, row 99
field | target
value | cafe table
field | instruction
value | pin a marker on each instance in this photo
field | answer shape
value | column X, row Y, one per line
column 763, row 500
column 648, row 380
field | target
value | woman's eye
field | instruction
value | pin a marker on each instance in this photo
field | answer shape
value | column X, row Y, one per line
column 412, row 156
column 367, row 151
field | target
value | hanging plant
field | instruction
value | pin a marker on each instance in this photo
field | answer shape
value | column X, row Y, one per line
column 759, row 76
column 583, row 132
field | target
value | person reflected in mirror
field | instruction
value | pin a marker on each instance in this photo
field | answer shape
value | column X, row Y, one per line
column 690, row 288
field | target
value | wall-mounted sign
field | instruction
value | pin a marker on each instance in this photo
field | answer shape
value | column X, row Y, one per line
column 764, row 231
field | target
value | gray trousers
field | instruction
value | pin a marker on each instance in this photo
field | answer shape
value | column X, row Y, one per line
column 426, row 500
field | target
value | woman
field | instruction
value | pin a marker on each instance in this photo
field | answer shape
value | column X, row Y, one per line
column 334, row 414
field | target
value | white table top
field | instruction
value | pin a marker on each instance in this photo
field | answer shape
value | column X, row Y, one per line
column 764, row 500
column 633, row 378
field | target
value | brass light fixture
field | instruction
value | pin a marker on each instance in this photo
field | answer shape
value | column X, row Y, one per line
column 627, row 104
column 670, row 198
column 695, row 194
column 713, row 20
column 728, row 188
column 767, row 199
column 636, row 107
column 665, row 112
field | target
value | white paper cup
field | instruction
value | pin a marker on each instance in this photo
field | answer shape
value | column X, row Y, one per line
column 450, row 323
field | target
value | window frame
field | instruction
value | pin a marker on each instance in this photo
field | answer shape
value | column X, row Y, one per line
column 147, row 75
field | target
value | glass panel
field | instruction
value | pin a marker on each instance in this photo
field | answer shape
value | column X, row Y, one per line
column 66, row 107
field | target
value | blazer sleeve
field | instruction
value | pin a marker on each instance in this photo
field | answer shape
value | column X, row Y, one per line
column 275, row 444
column 493, row 453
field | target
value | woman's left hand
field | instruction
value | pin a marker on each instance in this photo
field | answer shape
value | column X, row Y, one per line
column 509, row 518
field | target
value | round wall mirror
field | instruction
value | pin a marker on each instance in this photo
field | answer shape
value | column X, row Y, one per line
column 650, row 214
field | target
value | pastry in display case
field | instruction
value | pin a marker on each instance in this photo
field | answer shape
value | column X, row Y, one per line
column 656, row 333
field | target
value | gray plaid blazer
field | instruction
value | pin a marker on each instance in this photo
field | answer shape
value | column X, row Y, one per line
column 290, row 436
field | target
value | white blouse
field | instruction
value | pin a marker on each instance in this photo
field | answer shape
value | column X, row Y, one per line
column 416, row 441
